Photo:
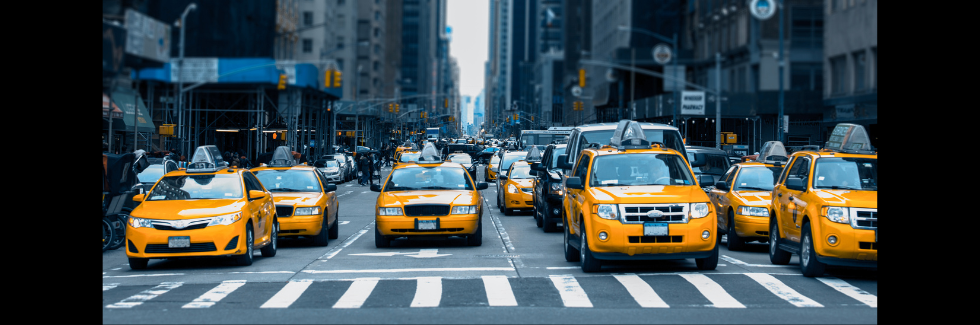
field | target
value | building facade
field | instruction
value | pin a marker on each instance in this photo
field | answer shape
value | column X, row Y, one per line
column 850, row 64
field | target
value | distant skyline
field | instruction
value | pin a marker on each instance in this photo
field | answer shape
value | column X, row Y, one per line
column 469, row 20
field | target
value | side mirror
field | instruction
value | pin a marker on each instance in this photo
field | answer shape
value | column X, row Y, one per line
column 139, row 197
column 722, row 186
column 574, row 182
column 376, row 187
column 331, row 188
column 563, row 162
column 707, row 180
column 700, row 159
column 502, row 176
column 255, row 195
column 795, row 183
column 538, row 167
column 481, row 186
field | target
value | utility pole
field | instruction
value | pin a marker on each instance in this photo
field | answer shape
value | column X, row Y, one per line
column 718, row 100
column 782, row 63
column 180, row 70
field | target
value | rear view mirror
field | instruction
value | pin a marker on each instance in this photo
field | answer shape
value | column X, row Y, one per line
column 331, row 188
column 376, row 187
column 563, row 162
column 255, row 195
column 139, row 197
column 502, row 176
column 700, row 159
column 721, row 186
column 795, row 183
column 574, row 182
column 481, row 186
column 706, row 180
column 537, row 167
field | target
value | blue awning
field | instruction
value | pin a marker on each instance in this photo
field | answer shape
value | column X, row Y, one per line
column 247, row 71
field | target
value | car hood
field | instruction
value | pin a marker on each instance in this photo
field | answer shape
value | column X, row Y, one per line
column 187, row 209
column 849, row 198
column 649, row 194
column 428, row 197
column 296, row 198
column 330, row 169
column 754, row 198
column 522, row 182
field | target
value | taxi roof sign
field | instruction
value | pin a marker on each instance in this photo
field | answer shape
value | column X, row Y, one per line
column 429, row 155
column 772, row 152
column 629, row 135
column 206, row 159
column 282, row 157
column 850, row 138
column 533, row 155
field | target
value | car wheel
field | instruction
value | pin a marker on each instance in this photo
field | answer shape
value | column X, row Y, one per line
column 809, row 264
column 321, row 239
column 270, row 249
column 107, row 232
column 777, row 256
column 537, row 219
column 710, row 262
column 571, row 253
column 476, row 239
column 589, row 262
column 334, row 231
column 118, row 232
column 508, row 212
column 246, row 259
column 735, row 243
column 138, row 263
column 379, row 240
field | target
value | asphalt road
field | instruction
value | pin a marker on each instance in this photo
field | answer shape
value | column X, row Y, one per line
column 518, row 275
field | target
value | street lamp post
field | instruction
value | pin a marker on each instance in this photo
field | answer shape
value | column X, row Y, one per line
column 180, row 64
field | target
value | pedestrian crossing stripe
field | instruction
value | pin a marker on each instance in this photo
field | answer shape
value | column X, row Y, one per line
column 499, row 292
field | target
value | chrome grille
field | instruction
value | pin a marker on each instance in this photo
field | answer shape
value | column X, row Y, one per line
column 637, row 213
column 864, row 218
column 187, row 224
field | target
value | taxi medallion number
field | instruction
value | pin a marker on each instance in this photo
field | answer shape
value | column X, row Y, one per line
column 654, row 229
column 180, row 241
column 426, row 225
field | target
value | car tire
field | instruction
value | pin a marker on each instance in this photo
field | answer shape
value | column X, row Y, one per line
column 322, row 239
column 107, row 233
column 537, row 219
column 508, row 212
column 380, row 241
column 118, row 232
column 809, row 264
column 589, row 263
column 549, row 226
column 710, row 262
column 270, row 249
column 334, row 230
column 571, row 253
column 777, row 256
column 476, row 239
column 735, row 243
column 246, row 259
column 138, row 263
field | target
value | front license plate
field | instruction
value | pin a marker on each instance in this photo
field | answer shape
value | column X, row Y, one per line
column 426, row 225
column 655, row 229
column 180, row 242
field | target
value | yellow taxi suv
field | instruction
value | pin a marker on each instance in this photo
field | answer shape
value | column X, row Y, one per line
column 518, row 188
column 742, row 197
column 429, row 199
column 508, row 159
column 491, row 172
column 633, row 200
column 306, row 203
column 825, row 205
column 208, row 209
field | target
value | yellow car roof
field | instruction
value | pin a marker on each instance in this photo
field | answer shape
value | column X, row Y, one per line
column 608, row 150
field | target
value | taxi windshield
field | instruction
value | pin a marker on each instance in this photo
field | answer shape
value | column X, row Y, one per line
column 461, row 159
column 510, row 159
column 554, row 157
column 410, row 156
column 424, row 178
column 520, row 172
column 151, row 174
column 289, row 180
column 756, row 179
column 640, row 169
column 193, row 187
column 846, row 173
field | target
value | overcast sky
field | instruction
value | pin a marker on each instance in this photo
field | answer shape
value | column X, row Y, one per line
column 469, row 20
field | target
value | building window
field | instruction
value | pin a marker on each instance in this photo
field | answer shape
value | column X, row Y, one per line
column 859, row 71
column 307, row 45
column 874, row 54
column 341, row 2
column 377, row 32
column 807, row 28
column 377, row 65
column 838, row 74
column 806, row 76
column 377, row 49
column 377, row 16
column 308, row 18
column 340, row 42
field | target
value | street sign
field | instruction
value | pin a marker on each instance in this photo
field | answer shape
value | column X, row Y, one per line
column 147, row 37
column 692, row 103
column 762, row 9
column 662, row 53
column 785, row 123
column 576, row 91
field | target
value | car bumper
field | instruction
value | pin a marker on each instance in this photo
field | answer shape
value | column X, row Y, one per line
column 461, row 224
column 751, row 226
column 682, row 239
column 855, row 247
column 334, row 177
column 219, row 236
column 519, row 201
column 300, row 226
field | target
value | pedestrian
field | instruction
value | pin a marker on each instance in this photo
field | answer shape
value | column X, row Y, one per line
column 245, row 163
column 364, row 166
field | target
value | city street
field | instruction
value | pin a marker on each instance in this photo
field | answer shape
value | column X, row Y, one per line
column 518, row 275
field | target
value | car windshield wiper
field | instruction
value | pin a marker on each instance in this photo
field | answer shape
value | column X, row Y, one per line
column 283, row 190
column 401, row 188
column 436, row 188
column 754, row 188
column 835, row 187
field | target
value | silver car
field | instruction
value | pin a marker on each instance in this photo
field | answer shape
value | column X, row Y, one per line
column 342, row 165
column 331, row 170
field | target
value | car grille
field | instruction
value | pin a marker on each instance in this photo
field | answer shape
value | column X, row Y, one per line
column 637, row 213
column 424, row 210
column 868, row 245
column 864, row 218
column 232, row 243
column 527, row 190
column 284, row 210
column 655, row 239
column 195, row 248
column 189, row 224
column 166, row 227
column 428, row 230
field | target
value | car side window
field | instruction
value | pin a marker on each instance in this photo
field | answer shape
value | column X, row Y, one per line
column 801, row 169
column 573, row 146
column 583, row 166
column 728, row 175
column 782, row 175
column 251, row 180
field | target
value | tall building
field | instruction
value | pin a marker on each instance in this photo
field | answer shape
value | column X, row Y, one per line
column 393, row 49
column 548, row 69
column 576, row 45
column 370, row 48
column 850, row 64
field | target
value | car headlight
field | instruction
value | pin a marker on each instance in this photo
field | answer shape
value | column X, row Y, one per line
column 308, row 211
column 837, row 214
column 464, row 209
column 140, row 223
column 225, row 219
column 699, row 210
column 556, row 189
column 753, row 211
column 511, row 188
column 607, row 211
column 390, row 211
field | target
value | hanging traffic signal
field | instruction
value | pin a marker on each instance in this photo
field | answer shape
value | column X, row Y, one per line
column 581, row 78
column 391, row 107
column 445, row 102
column 326, row 78
column 396, row 108
column 532, row 118
column 282, row 81
column 336, row 79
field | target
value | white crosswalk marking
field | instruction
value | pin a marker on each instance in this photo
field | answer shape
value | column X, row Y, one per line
column 215, row 295
column 428, row 292
column 106, row 287
column 141, row 297
column 851, row 291
column 357, row 293
column 641, row 291
column 781, row 290
column 498, row 290
column 571, row 293
column 713, row 291
column 288, row 294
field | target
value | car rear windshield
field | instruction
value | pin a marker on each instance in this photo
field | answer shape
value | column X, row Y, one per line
column 290, row 180
column 460, row 159
column 192, row 187
column 407, row 157
column 151, row 174
column 510, row 159
column 640, row 169
column 846, row 173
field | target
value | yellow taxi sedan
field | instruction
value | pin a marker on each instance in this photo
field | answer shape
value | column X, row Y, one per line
column 306, row 203
column 208, row 209
column 742, row 201
column 491, row 172
column 518, row 187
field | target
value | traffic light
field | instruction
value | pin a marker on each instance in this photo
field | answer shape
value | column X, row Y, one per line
column 445, row 102
column 581, row 78
column 282, row 81
column 396, row 108
column 336, row 79
column 532, row 118
column 326, row 78
column 391, row 107
column 515, row 117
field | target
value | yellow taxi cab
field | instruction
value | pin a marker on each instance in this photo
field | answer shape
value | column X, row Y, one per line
column 825, row 205
column 491, row 172
column 306, row 202
column 406, row 157
column 742, row 197
column 633, row 200
column 463, row 159
column 518, row 187
column 207, row 209
column 430, row 198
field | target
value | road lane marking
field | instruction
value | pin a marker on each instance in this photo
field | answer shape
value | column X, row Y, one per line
column 738, row 262
column 851, row 291
column 562, row 267
column 288, row 294
column 345, row 193
column 146, row 295
column 502, row 233
column 783, row 291
column 344, row 222
column 357, row 293
column 429, row 269
column 572, row 295
column 333, row 252
column 106, row 287
column 117, row 269
column 641, row 291
column 428, row 292
column 498, row 290
column 139, row 275
column 713, row 291
column 365, row 192
column 215, row 295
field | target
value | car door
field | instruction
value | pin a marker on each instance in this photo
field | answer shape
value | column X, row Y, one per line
column 794, row 206
column 541, row 182
column 575, row 198
column 719, row 198
column 256, row 207
column 331, row 213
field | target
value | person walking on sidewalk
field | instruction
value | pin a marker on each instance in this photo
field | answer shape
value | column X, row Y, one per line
column 364, row 166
